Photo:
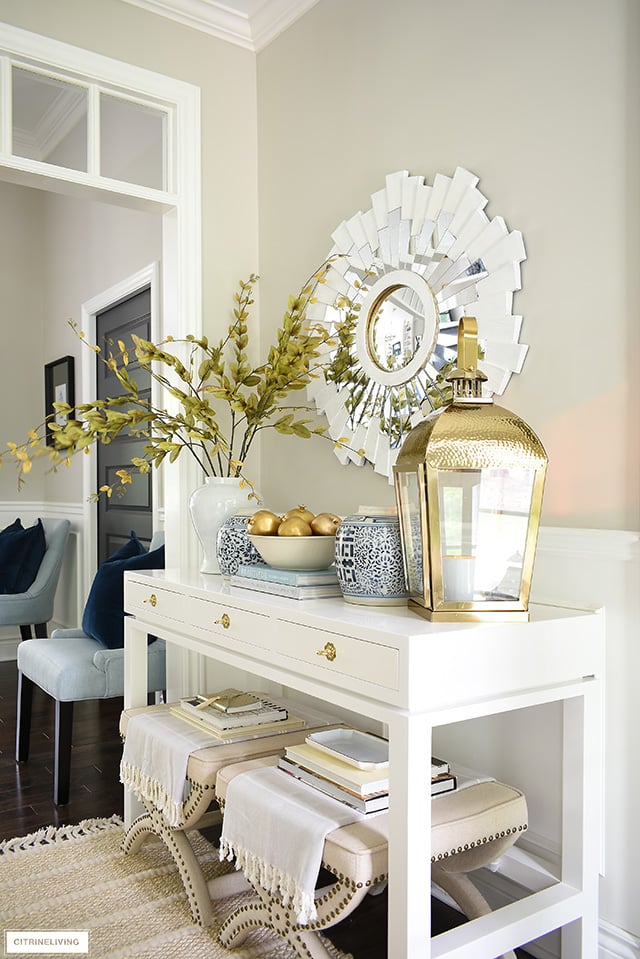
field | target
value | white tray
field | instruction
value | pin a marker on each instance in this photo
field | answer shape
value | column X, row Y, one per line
column 352, row 746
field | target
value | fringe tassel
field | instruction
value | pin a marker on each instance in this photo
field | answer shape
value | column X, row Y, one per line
column 273, row 880
column 146, row 788
column 52, row 834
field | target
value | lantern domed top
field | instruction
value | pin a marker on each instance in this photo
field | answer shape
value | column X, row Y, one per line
column 472, row 432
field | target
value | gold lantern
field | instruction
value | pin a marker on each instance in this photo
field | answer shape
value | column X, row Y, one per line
column 469, row 481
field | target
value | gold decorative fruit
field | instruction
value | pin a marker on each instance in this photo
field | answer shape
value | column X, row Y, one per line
column 294, row 526
column 300, row 511
column 325, row 524
column 264, row 523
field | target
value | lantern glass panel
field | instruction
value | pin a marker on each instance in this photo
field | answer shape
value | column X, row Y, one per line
column 484, row 520
column 409, row 516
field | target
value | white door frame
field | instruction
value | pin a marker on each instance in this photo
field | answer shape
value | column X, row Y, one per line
column 180, row 291
column 149, row 276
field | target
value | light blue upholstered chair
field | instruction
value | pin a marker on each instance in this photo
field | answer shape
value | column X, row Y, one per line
column 35, row 606
column 71, row 666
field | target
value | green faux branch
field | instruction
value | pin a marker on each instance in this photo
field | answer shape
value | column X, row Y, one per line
column 207, row 383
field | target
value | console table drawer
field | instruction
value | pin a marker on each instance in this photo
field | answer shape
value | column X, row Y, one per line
column 337, row 653
column 221, row 618
column 151, row 600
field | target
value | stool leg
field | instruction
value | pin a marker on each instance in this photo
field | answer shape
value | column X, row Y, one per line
column 25, row 632
column 23, row 717
column 62, row 759
column 464, row 893
column 41, row 630
column 154, row 824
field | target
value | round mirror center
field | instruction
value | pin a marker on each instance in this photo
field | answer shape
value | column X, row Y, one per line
column 395, row 327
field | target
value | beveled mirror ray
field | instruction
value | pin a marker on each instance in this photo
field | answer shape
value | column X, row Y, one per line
column 399, row 278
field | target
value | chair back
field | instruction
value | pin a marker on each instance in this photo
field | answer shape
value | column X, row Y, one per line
column 36, row 604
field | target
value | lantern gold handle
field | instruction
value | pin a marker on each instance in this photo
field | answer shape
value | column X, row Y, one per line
column 329, row 651
column 224, row 621
column 153, row 600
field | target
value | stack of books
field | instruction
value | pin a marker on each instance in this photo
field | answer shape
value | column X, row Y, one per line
column 353, row 767
column 233, row 714
column 345, row 764
column 297, row 584
column 442, row 779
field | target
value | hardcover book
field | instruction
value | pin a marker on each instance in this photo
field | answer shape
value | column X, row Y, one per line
column 237, row 733
column 290, row 577
column 363, row 750
column 373, row 803
column 445, row 783
column 363, row 782
column 320, row 591
column 439, row 767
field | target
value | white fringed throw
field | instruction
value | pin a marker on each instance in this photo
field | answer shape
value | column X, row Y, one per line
column 155, row 758
column 275, row 826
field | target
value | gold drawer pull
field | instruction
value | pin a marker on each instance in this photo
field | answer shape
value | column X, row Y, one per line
column 224, row 620
column 329, row 651
column 153, row 600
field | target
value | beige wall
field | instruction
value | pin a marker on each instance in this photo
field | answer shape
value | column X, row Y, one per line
column 21, row 328
column 538, row 99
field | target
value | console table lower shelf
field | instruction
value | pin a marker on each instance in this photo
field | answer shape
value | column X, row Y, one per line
column 392, row 667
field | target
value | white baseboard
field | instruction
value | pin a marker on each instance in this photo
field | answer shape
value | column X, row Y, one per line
column 615, row 943
column 9, row 641
column 8, row 649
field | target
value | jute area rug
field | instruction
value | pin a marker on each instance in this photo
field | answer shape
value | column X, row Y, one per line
column 134, row 907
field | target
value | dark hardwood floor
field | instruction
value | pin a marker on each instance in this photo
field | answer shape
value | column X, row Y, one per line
column 26, row 789
column 26, row 797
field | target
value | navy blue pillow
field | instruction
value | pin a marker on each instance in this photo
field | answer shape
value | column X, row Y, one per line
column 103, row 617
column 21, row 553
column 133, row 547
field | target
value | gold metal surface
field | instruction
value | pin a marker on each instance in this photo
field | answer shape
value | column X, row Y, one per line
column 470, row 435
column 329, row 651
column 224, row 621
column 153, row 600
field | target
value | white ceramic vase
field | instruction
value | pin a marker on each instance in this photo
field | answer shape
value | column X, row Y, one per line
column 210, row 505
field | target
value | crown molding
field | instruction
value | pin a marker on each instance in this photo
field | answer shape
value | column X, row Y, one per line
column 251, row 24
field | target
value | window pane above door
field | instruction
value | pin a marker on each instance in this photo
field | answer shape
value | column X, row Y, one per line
column 133, row 142
column 49, row 119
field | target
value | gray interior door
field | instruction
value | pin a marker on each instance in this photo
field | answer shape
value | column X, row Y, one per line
column 118, row 515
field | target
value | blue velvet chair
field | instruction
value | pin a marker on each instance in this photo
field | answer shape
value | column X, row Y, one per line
column 69, row 667
column 35, row 606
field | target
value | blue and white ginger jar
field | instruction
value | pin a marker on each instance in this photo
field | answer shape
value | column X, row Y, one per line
column 368, row 558
column 233, row 546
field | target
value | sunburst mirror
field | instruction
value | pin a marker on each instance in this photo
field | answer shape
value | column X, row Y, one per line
column 397, row 281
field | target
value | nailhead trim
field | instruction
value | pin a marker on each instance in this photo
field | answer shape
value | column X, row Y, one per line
column 479, row 842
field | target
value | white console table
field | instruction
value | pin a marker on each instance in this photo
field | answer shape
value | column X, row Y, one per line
column 393, row 666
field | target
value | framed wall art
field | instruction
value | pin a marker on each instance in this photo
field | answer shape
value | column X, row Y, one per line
column 59, row 387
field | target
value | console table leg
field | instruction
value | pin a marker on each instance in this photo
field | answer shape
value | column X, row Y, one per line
column 582, row 739
column 409, row 837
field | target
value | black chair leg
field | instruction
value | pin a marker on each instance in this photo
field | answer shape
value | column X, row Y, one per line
column 41, row 630
column 23, row 717
column 25, row 632
column 62, row 761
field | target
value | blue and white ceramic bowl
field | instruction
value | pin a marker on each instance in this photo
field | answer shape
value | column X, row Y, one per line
column 368, row 559
column 233, row 546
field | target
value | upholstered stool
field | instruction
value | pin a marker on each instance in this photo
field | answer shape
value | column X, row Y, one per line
column 470, row 828
column 202, row 769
